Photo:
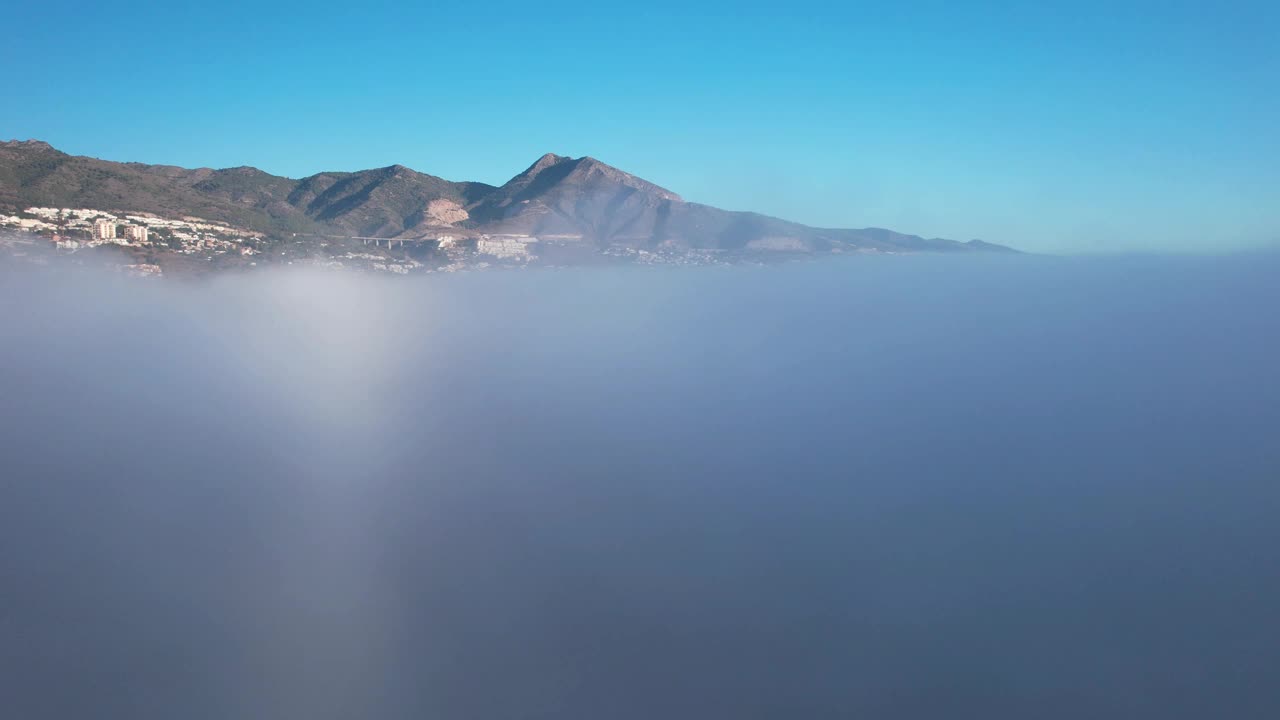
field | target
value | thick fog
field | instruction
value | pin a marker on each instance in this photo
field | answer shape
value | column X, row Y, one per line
column 910, row 487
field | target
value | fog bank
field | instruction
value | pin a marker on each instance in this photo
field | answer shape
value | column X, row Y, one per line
column 896, row 487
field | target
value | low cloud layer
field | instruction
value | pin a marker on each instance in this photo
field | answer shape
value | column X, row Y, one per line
column 898, row 487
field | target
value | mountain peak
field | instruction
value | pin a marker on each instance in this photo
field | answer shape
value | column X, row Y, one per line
column 583, row 168
column 586, row 164
column 542, row 163
column 588, row 168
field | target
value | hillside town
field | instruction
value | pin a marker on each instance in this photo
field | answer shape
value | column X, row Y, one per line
column 147, row 240
column 146, row 244
column 72, row 229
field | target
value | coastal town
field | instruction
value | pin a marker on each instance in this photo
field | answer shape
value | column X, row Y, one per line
column 147, row 244
column 75, row 228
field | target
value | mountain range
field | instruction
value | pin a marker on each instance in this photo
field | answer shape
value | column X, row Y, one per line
column 555, row 197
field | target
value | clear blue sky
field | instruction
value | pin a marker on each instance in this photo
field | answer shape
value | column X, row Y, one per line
column 1079, row 127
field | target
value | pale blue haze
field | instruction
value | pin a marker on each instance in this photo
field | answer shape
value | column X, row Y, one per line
column 1065, row 127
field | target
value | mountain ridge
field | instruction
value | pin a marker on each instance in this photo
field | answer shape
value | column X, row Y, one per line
column 573, row 199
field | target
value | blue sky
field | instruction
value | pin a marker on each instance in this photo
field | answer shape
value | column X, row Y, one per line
column 1065, row 127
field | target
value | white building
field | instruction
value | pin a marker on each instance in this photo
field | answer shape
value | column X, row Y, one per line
column 104, row 230
column 135, row 233
column 34, row 225
column 505, row 246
